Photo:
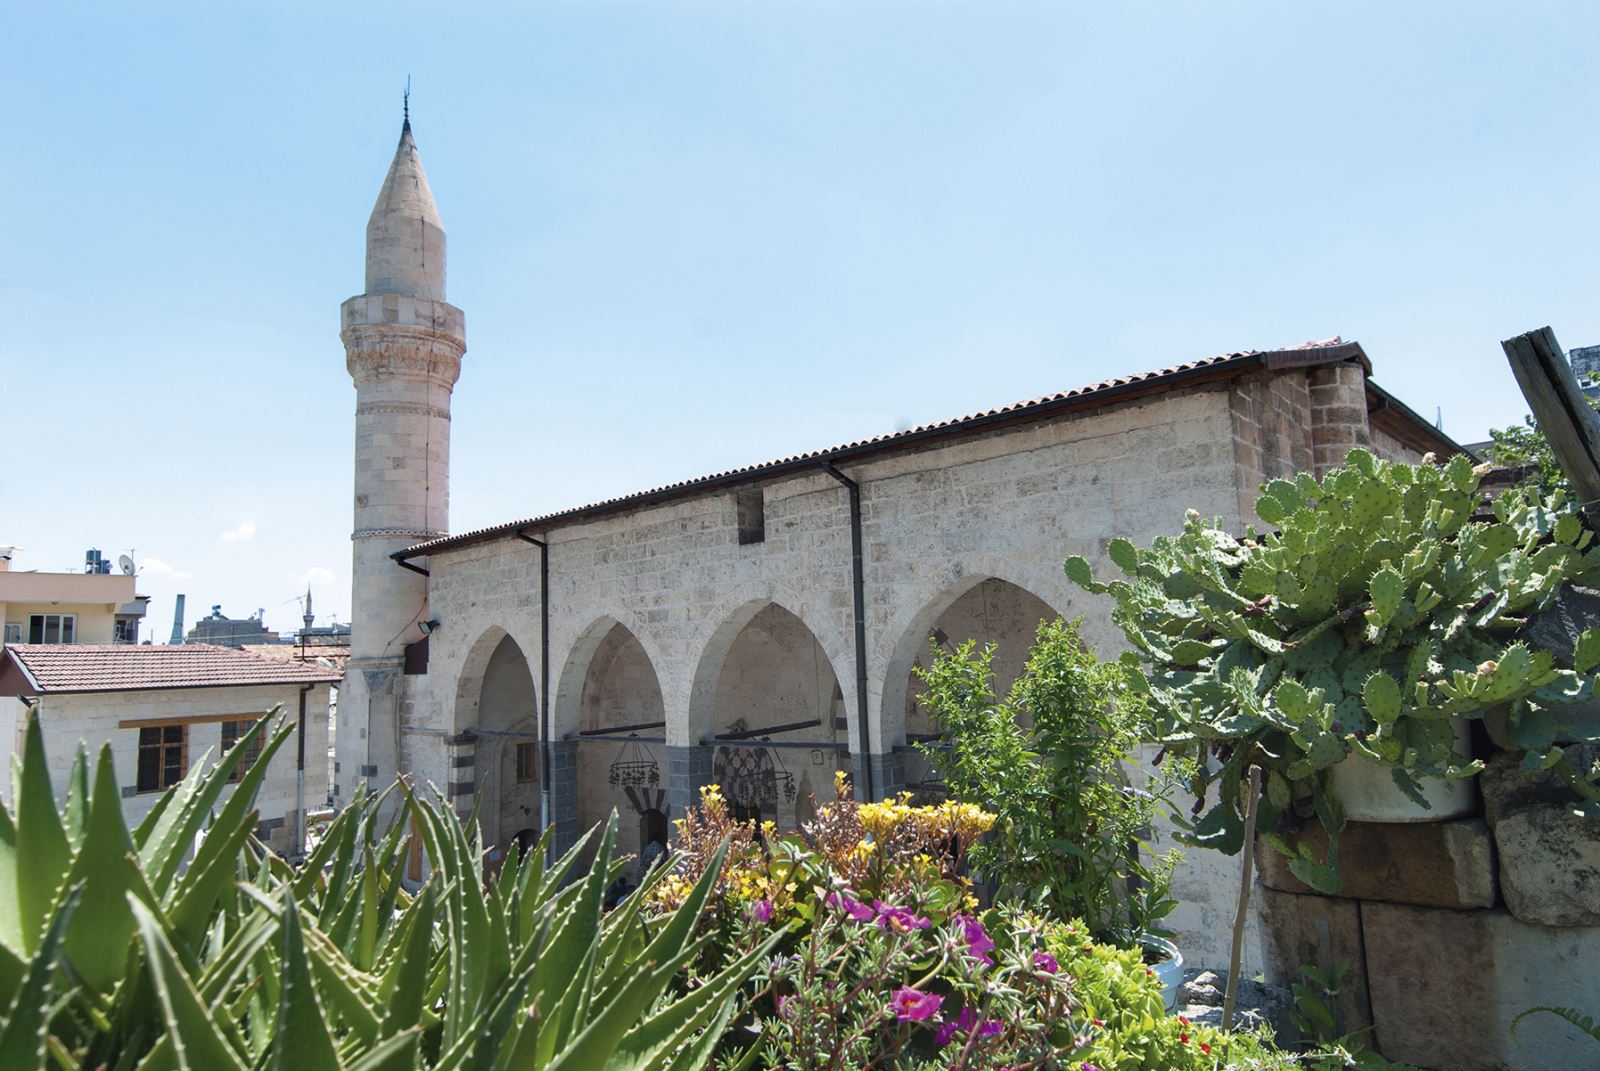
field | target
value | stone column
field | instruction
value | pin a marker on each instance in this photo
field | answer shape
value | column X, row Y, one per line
column 688, row 770
column 563, row 775
column 888, row 773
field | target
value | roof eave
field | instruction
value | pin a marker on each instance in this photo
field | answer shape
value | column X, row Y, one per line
column 1111, row 395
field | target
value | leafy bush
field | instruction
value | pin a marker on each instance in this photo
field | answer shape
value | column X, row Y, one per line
column 1375, row 611
column 1069, row 830
column 121, row 950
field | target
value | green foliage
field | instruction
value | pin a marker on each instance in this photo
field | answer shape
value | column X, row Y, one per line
column 1525, row 445
column 1571, row 1015
column 140, row 951
column 1047, row 761
column 1374, row 612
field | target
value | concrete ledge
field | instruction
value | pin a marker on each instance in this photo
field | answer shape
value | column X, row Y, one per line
column 1436, row 864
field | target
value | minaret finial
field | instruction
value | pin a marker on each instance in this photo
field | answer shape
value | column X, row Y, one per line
column 406, row 103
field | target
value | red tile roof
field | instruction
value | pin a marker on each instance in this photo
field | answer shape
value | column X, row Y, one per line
column 1106, row 392
column 90, row 667
column 333, row 655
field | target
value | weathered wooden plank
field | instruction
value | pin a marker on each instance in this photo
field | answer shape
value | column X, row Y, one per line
column 1565, row 416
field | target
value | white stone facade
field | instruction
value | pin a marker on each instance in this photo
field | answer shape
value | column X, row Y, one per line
column 114, row 719
column 717, row 619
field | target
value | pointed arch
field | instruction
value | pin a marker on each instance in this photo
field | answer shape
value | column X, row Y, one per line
column 496, row 737
column 609, row 680
column 764, row 667
column 981, row 607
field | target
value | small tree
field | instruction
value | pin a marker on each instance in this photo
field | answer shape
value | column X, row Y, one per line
column 1069, row 829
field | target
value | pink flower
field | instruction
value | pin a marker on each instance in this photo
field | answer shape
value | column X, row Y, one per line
column 979, row 942
column 913, row 1006
column 1045, row 962
column 964, row 1024
column 783, row 1006
column 761, row 911
column 854, row 908
column 898, row 918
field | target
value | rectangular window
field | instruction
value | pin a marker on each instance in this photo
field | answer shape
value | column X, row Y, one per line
column 14, row 632
column 52, row 628
column 231, row 732
column 126, row 630
column 750, row 508
column 525, row 767
column 163, row 756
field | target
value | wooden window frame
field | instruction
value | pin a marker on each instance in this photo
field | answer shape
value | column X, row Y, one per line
column 241, row 724
column 161, row 745
column 527, row 764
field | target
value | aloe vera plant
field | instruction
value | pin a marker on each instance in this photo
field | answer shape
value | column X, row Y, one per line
column 186, row 944
column 1373, row 611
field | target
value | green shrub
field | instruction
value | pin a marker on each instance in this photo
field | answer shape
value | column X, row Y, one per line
column 1069, row 833
column 121, row 950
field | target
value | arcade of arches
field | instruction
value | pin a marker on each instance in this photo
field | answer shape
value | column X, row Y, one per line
column 777, row 731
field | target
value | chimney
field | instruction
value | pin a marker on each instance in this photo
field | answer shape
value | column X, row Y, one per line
column 177, row 623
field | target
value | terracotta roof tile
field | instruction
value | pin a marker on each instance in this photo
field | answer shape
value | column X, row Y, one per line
column 88, row 667
column 312, row 654
column 1105, row 392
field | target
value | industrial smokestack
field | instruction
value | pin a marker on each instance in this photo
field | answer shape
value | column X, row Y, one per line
column 177, row 622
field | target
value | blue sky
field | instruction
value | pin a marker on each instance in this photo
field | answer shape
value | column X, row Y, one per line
column 688, row 236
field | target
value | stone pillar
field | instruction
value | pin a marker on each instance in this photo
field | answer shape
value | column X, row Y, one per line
column 1338, row 414
column 888, row 773
column 461, row 784
column 688, row 770
column 563, row 775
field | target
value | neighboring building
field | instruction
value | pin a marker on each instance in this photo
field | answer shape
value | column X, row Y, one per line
column 760, row 627
column 161, row 708
column 1586, row 366
column 87, row 607
column 227, row 631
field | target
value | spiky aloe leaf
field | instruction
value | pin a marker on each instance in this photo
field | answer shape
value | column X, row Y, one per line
column 76, row 812
column 302, row 1042
column 42, row 850
column 10, row 902
column 190, row 804
column 23, row 1039
column 197, row 1042
column 97, row 943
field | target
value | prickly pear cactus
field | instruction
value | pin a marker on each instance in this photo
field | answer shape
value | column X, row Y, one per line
column 1372, row 612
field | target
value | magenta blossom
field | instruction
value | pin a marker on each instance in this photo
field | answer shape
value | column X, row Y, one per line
column 854, row 908
column 761, row 911
column 783, row 1006
column 979, row 942
column 898, row 918
column 913, row 1006
column 964, row 1024
column 1044, row 961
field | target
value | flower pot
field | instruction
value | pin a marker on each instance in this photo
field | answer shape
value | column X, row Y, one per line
column 1369, row 794
column 1168, row 969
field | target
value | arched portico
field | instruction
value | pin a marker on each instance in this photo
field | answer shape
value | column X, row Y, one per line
column 767, row 716
column 497, row 738
column 620, row 720
column 984, row 609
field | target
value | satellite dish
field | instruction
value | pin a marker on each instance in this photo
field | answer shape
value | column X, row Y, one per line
column 126, row 564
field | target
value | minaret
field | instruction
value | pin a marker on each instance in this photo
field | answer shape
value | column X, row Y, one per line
column 403, row 347
column 308, row 617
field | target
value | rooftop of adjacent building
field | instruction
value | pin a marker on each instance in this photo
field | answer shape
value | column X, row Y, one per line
column 39, row 669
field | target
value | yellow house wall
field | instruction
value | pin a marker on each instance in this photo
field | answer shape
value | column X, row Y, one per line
column 96, row 621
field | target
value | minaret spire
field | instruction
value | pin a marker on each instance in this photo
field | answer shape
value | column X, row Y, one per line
column 405, row 105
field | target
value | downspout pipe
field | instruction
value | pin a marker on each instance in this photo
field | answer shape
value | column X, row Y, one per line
column 300, row 778
column 546, row 752
column 858, row 584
